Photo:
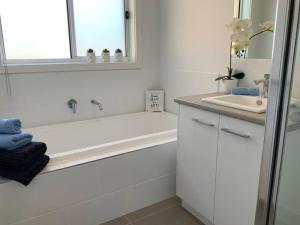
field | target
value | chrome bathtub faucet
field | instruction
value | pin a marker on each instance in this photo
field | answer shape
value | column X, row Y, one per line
column 72, row 104
column 95, row 102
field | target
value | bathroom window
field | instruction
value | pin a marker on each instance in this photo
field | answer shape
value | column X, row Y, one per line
column 31, row 31
column 35, row 32
column 92, row 14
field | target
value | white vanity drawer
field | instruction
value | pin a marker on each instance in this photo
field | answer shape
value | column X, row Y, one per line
column 201, row 117
column 250, row 132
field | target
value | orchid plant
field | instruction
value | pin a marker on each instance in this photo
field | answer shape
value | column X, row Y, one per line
column 242, row 34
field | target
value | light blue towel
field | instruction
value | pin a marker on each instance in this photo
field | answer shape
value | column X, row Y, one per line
column 10, row 126
column 14, row 141
column 253, row 91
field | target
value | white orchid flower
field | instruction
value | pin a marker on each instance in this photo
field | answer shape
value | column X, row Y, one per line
column 246, row 24
column 236, row 46
column 235, row 25
column 235, row 37
column 232, row 23
column 245, row 44
column 238, row 25
column 241, row 36
column 240, row 45
column 248, row 33
column 267, row 25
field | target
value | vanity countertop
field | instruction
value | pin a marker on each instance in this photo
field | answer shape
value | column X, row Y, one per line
column 258, row 118
column 196, row 101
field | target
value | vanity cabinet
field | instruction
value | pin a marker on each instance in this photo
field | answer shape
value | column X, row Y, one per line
column 237, row 179
column 196, row 159
column 218, row 166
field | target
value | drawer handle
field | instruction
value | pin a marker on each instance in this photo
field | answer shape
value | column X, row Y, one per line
column 226, row 130
column 203, row 123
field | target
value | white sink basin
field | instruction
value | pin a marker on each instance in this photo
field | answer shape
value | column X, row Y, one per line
column 247, row 103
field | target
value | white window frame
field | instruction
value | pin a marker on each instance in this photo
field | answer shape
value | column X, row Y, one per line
column 131, row 61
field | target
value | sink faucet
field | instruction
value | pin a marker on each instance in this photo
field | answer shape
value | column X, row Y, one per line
column 72, row 104
column 95, row 102
column 265, row 82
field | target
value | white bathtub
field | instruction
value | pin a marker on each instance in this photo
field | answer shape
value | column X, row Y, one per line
column 100, row 169
column 70, row 144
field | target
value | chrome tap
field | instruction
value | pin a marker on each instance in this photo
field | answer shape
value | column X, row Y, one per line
column 265, row 83
column 72, row 104
column 95, row 102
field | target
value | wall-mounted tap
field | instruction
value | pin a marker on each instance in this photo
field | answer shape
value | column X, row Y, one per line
column 265, row 82
column 95, row 102
column 72, row 104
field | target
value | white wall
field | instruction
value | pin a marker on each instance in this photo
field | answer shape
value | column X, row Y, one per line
column 194, row 46
column 41, row 98
column 254, row 69
column 185, row 45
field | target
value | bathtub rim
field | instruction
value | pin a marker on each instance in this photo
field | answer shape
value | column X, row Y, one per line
column 79, row 157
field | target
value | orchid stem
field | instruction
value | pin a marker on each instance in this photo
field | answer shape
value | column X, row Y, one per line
column 261, row 32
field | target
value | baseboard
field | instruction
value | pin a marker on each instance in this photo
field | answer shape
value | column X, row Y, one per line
column 196, row 214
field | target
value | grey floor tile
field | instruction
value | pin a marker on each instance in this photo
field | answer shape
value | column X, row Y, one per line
column 153, row 209
column 172, row 216
column 120, row 221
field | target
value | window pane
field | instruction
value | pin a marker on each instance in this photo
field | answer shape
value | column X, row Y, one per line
column 99, row 24
column 35, row 29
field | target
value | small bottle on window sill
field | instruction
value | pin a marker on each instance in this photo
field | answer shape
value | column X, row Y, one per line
column 106, row 55
column 118, row 55
column 91, row 56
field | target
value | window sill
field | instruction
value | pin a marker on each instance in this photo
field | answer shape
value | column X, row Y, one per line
column 68, row 67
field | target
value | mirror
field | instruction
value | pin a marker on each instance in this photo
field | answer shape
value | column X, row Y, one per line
column 258, row 11
column 296, row 78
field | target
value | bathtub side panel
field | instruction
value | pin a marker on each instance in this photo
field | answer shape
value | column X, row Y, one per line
column 93, row 193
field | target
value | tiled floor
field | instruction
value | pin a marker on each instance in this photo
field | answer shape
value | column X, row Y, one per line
column 168, row 212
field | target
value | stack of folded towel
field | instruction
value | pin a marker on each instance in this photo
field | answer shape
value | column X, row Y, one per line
column 20, row 158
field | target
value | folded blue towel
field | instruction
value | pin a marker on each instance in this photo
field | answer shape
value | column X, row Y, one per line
column 253, row 91
column 14, row 141
column 10, row 126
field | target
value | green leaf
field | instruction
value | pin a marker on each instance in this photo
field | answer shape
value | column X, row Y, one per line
column 224, row 78
column 239, row 76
